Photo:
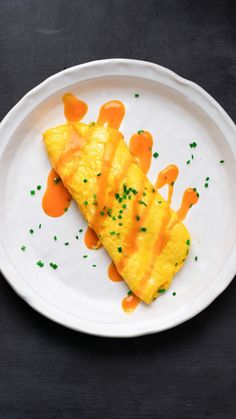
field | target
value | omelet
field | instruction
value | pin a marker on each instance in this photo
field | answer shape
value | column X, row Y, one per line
column 144, row 237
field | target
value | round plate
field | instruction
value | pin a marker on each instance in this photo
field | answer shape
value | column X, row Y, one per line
column 176, row 112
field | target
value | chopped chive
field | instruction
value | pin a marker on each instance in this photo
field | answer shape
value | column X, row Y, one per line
column 196, row 258
column 66, row 243
column 206, row 185
column 192, row 156
column 174, row 294
column 40, row 264
column 207, row 179
column 144, row 193
column 137, row 217
column 114, row 218
column 55, row 238
column 53, row 265
column 81, row 230
column 85, row 202
column 136, row 95
column 129, row 197
column 109, row 211
column 176, row 264
column 117, row 196
column 121, row 211
column 155, row 155
column 40, row 225
column 31, row 231
column 85, row 256
column 65, row 209
column 141, row 131
column 102, row 213
column 39, row 187
column 94, row 266
column 172, row 183
column 143, row 229
column 32, row 192
column 193, row 145
column 120, row 199
column 194, row 189
column 112, row 233
column 85, row 180
column 56, row 180
column 197, row 194
column 142, row 203
column 134, row 191
column 119, row 249
column 92, row 123
column 124, row 206
column 190, row 206
column 188, row 161
column 120, row 217
column 153, row 190
column 124, row 196
column 222, row 161
column 120, row 224
column 159, row 202
column 161, row 290
column 129, row 292
column 23, row 248
column 77, row 237
column 99, row 174
column 188, row 242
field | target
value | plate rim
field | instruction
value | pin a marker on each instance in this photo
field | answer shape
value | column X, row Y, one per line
column 106, row 329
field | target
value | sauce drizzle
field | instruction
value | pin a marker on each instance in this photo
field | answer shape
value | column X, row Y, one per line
column 168, row 177
column 91, row 239
column 141, row 147
column 74, row 109
column 130, row 303
column 113, row 273
column 56, row 199
column 190, row 197
column 111, row 114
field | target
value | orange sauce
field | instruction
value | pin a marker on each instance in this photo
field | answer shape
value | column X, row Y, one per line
column 190, row 198
column 130, row 303
column 113, row 273
column 111, row 114
column 168, row 177
column 74, row 109
column 141, row 147
column 56, row 199
column 91, row 239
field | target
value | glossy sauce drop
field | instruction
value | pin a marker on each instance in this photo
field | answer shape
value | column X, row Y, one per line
column 74, row 109
column 130, row 303
column 56, row 199
column 168, row 177
column 113, row 273
column 91, row 239
column 111, row 114
column 140, row 146
column 190, row 198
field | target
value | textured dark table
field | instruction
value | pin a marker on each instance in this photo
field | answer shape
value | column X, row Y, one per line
column 47, row 371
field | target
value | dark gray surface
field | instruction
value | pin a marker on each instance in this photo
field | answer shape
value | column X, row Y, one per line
column 47, row 371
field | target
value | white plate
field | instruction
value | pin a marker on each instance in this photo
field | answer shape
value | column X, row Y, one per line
column 176, row 112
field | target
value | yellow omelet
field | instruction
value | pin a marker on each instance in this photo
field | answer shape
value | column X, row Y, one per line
column 142, row 234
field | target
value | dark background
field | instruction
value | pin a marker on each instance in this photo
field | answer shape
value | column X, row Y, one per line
column 47, row 371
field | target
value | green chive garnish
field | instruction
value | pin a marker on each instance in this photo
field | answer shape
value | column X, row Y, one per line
column 81, row 230
column 206, row 185
column 155, row 155
column 119, row 249
column 55, row 238
column 124, row 206
column 40, row 225
column 99, row 174
column 114, row 218
column 23, row 248
column 134, row 191
column 85, row 180
column 140, row 131
column 86, row 203
column 85, row 256
column 222, row 161
column 192, row 156
column 66, row 243
column 137, row 217
column 40, row 264
column 161, row 290
column 193, row 145
column 77, row 237
column 102, row 213
column 207, row 179
column 174, row 293
column 188, row 162
column 56, row 180
column 129, row 292
column 142, row 203
column 94, row 266
column 143, row 229
column 39, row 187
column 32, row 192
column 196, row 258
column 188, row 242
column 112, row 233
column 136, row 95
column 53, row 265
column 31, row 231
